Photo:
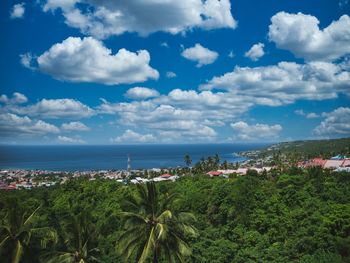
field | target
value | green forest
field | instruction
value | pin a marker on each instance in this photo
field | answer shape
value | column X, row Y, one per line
column 311, row 148
column 289, row 216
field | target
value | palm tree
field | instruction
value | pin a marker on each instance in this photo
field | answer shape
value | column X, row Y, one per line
column 217, row 161
column 187, row 160
column 152, row 229
column 77, row 234
column 17, row 232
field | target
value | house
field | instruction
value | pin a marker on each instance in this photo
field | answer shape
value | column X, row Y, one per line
column 338, row 157
column 346, row 163
column 166, row 176
column 333, row 164
column 343, row 169
column 315, row 162
column 228, row 171
column 214, row 173
column 242, row 171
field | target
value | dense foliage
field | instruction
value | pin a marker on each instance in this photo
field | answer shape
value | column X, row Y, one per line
column 310, row 149
column 296, row 216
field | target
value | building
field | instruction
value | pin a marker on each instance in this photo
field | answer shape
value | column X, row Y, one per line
column 214, row 173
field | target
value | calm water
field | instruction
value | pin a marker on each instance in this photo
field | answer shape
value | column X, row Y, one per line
column 113, row 157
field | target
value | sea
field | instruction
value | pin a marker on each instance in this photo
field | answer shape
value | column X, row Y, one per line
column 114, row 157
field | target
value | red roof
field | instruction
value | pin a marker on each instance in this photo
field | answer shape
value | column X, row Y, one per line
column 214, row 173
column 166, row 175
column 8, row 187
column 316, row 162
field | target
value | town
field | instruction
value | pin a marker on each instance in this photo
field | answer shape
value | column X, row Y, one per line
column 11, row 179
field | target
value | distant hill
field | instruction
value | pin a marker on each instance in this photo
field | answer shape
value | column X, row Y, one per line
column 307, row 149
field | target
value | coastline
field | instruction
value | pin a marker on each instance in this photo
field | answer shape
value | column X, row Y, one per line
column 114, row 157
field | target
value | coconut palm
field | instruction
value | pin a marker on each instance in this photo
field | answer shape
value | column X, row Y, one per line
column 18, row 233
column 187, row 160
column 152, row 229
column 77, row 234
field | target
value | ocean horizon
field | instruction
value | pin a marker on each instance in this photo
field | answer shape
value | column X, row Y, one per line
column 114, row 157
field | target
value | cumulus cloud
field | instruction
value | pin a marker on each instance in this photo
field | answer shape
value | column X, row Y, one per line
column 257, row 131
column 310, row 115
column 74, row 126
column 301, row 35
column 167, row 123
column 55, row 108
column 18, row 11
column 65, row 139
column 17, row 98
column 285, row 82
column 130, row 136
column 14, row 125
column 299, row 112
column 26, row 60
column 255, row 52
column 200, row 54
column 102, row 19
column 141, row 93
column 88, row 60
column 170, row 75
column 336, row 124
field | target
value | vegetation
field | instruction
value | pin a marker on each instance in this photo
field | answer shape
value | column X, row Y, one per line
column 288, row 215
column 152, row 228
column 306, row 149
column 18, row 231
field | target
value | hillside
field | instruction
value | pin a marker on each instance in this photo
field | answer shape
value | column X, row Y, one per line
column 305, row 149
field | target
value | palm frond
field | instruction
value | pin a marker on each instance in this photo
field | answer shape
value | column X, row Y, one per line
column 148, row 247
column 3, row 242
column 17, row 253
column 28, row 220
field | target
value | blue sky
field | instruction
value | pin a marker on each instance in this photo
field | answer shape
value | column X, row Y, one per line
column 97, row 72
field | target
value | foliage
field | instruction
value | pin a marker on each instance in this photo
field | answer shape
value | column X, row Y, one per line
column 152, row 228
column 283, row 216
column 309, row 149
column 19, row 231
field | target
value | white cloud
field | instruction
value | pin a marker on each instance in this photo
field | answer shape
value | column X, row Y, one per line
column 17, row 98
column 170, row 75
column 185, row 124
column 102, row 19
column 285, row 82
column 164, row 44
column 312, row 115
column 65, row 139
column 14, row 125
column 336, row 124
column 26, row 60
column 18, row 11
column 190, row 115
column 56, row 108
column 141, row 93
column 231, row 54
column 258, row 131
column 75, row 126
column 255, row 52
column 300, row 34
column 130, row 136
column 200, row 54
column 88, row 60
column 299, row 112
